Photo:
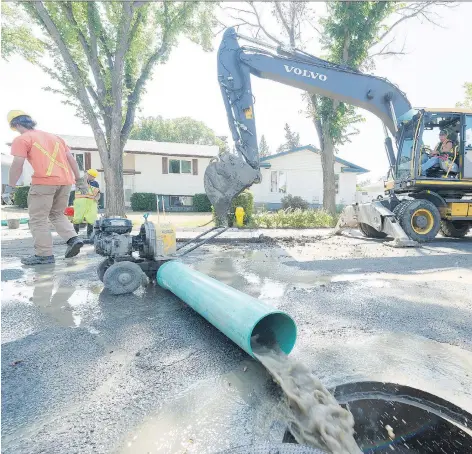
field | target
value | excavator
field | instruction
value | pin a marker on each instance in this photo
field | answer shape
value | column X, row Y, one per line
column 419, row 202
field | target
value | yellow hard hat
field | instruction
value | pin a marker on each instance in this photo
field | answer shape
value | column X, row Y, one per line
column 15, row 113
column 92, row 172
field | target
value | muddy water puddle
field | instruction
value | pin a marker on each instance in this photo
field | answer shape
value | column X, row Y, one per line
column 263, row 274
column 209, row 417
column 260, row 273
column 46, row 295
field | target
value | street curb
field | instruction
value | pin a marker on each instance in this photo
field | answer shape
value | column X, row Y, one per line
column 263, row 239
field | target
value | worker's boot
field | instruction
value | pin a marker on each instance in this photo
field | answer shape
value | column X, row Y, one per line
column 90, row 234
column 73, row 247
column 38, row 260
column 89, row 230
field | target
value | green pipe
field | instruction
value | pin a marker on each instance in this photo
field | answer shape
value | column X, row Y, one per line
column 22, row 221
column 235, row 314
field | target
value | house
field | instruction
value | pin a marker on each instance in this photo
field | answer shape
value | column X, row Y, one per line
column 174, row 171
column 298, row 172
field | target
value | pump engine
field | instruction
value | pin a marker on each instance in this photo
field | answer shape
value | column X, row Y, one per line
column 129, row 258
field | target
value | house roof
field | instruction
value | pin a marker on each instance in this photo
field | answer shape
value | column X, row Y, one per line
column 85, row 143
column 348, row 166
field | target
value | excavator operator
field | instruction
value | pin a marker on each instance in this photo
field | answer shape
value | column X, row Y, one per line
column 443, row 148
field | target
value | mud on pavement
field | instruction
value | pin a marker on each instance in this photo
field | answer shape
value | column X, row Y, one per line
column 87, row 372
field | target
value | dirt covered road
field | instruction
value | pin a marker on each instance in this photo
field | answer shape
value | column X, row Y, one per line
column 84, row 371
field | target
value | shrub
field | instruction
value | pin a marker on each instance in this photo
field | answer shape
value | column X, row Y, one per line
column 294, row 202
column 201, row 203
column 143, row 201
column 297, row 218
column 245, row 200
column 21, row 196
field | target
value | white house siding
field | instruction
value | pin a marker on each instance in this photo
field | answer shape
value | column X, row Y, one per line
column 347, row 188
column 152, row 179
column 304, row 178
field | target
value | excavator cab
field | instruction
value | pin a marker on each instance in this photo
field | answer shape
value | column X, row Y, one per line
column 419, row 146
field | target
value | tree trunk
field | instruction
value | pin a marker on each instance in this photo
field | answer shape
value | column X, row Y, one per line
column 329, row 183
column 327, row 158
column 115, row 196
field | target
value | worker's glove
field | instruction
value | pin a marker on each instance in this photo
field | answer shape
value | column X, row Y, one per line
column 82, row 185
column 7, row 195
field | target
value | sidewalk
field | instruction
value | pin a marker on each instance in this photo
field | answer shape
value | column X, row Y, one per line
column 259, row 235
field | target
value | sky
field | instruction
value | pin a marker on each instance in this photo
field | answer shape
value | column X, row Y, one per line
column 432, row 74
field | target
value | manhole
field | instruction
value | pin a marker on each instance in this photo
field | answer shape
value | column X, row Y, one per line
column 393, row 418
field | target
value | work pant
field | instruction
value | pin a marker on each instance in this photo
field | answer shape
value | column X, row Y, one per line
column 85, row 210
column 431, row 162
column 45, row 202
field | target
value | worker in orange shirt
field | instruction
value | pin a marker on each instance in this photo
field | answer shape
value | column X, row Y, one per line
column 55, row 171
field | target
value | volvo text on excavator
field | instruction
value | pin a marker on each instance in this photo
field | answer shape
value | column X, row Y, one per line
column 427, row 190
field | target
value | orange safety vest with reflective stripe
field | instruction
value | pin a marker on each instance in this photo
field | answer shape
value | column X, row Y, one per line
column 47, row 155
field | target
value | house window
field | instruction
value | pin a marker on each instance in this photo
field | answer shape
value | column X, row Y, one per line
column 181, row 201
column 336, row 182
column 79, row 157
column 174, row 165
column 278, row 181
column 186, row 166
column 273, row 181
column 180, row 166
column 283, row 182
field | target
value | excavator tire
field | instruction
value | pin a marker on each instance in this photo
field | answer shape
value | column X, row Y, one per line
column 398, row 210
column 453, row 229
column 368, row 231
column 420, row 219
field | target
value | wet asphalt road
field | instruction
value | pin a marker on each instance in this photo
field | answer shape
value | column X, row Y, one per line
column 84, row 371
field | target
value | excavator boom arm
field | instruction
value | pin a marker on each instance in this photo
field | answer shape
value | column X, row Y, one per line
column 295, row 68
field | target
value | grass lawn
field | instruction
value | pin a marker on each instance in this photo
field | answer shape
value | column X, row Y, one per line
column 179, row 220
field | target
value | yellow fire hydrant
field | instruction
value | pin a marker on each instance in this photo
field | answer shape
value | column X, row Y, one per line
column 239, row 215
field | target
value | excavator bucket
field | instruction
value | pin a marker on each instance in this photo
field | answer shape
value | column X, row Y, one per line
column 224, row 179
column 380, row 222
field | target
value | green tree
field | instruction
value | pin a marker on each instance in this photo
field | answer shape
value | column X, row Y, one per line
column 101, row 55
column 292, row 140
column 17, row 36
column 353, row 34
column 177, row 130
column 263, row 147
column 223, row 144
column 468, row 96
column 350, row 30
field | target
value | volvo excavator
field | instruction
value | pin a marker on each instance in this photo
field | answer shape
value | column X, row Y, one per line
column 418, row 202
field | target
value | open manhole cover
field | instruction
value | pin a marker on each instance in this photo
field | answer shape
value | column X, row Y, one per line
column 274, row 448
column 399, row 419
